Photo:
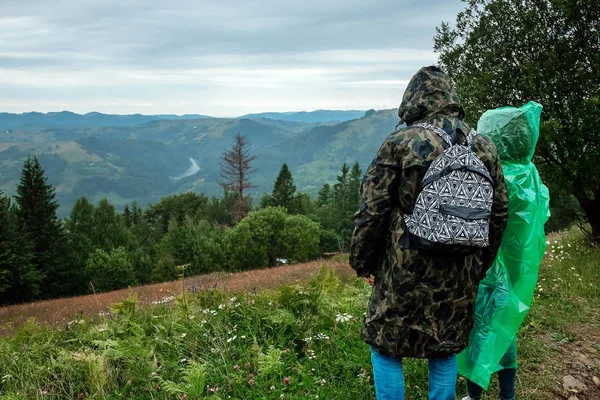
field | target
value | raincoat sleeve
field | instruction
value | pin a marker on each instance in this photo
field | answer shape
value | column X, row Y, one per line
column 372, row 219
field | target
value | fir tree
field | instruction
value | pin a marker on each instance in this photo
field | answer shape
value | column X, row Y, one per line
column 127, row 216
column 354, row 187
column 341, row 191
column 80, row 227
column 284, row 189
column 324, row 195
column 136, row 213
column 36, row 218
column 19, row 279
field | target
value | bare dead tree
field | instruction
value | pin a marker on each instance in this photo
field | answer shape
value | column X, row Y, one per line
column 235, row 171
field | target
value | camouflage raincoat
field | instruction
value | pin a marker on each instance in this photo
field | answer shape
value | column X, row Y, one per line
column 421, row 304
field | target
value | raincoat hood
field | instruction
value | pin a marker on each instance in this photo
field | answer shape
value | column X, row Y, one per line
column 514, row 131
column 429, row 93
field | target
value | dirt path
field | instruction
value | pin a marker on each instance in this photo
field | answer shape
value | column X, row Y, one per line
column 61, row 311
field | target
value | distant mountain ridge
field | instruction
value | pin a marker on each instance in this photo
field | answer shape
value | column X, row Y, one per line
column 310, row 116
column 68, row 119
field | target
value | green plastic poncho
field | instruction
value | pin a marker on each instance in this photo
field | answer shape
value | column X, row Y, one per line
column 506, row 292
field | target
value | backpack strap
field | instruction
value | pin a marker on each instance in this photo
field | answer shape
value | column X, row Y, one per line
column 471, row 136
column 441, row 133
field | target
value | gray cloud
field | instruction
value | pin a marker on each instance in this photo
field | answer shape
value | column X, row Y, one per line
column 219, row 58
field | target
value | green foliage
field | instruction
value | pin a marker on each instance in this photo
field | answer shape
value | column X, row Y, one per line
column 109, row 250
column 220, row 210
column 269, row 234
column 178, row 207
column 284, row 190
column 304, row 205
column 329, row 241
column 109, row 228
column 253, row 242
column 110, row 270
column 19, row 280
column 266, row 201
column 79, row 229
column 198, row 244
column 324, row 195
column 299, row 238
column 337, row 206
column 508, row 52
column 193, row 381
column 35, row 214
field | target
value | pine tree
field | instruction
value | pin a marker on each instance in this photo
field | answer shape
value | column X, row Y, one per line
column 36, row 217
column 324, row 195
column 127, row 216
column 80, row 227
column 341, row 191
column 136, row 213
column 235, row 171
column 109, row 229
column 354, row 187
column 19, row 279
column 284, row 189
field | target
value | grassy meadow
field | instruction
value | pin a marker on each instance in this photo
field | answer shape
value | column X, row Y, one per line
column 296, row 342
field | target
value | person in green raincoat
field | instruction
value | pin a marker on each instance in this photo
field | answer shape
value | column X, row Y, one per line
column 506, row 292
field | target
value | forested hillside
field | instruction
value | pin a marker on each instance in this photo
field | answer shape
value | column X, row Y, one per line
column 149, row 161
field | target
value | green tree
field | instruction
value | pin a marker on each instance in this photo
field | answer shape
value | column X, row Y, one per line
column 299, row 238
column 508, row 52
column 266, row 201
column 36, row 218
column 110, row 270
column 284, row 189
column 127, row 218
column 145, row 253
column 136, row 213
column 341, row 190
column 254, row 242
column 324, row 195
column 80, row 226
column 304, row 205
column 197, row 243
column 178, row 207
column 221, row 210
column 354, row 188
column 19, row 280
column 109, row 229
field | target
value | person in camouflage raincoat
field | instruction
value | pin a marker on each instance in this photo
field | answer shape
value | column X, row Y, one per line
column 421, row 304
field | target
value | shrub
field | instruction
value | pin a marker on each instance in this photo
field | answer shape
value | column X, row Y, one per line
column 299, row 239
column 197, row 243
column 268, row 234
column 254, row 242
column 110, row 270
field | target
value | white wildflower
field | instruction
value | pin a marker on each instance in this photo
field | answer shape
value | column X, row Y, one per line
column 231, row 339
column 343, row 317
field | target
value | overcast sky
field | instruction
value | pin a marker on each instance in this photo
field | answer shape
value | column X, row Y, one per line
column 221, row 58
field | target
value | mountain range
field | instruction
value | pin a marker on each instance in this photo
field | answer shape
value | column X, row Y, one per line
column 165, row 155
column 67, row 119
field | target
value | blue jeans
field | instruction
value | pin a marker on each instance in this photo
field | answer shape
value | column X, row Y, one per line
column 389, row 377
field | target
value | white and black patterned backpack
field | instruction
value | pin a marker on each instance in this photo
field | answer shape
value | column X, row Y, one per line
column 453, row 207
